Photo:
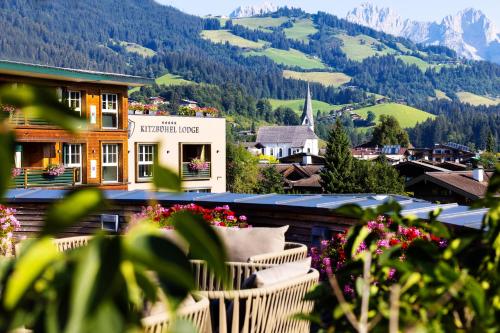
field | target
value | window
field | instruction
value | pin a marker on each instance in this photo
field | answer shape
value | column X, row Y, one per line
column 271, row 152
column 75, row 101
column 110, row 157
column 72, row 158
column 145, row 160
column 110, row 111
column 195, row 161
column 198, row 190
column 280, row 152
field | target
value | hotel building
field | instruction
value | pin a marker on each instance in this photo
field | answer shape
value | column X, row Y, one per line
column 98, row 155
column 195, row 147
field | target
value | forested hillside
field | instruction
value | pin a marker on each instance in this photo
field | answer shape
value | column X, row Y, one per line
column 252, row 57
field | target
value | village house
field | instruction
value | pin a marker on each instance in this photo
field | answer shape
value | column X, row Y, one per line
column 463, row 187
column 98, row 155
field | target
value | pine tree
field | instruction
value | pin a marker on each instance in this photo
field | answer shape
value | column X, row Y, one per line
column 271, row 181
column 337, row 176
column 491, row 145
column 388, row 132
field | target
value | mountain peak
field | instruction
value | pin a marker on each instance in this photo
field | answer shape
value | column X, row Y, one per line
column 379, row 18
column 254, row 10
column 469, row 32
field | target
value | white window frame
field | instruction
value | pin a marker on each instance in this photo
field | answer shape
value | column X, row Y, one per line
column 140, row 159
column 105, row 161
column 79, row 99
column 105, row 110
column 70, row 149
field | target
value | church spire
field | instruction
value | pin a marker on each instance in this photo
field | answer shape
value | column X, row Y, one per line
column 307, row 113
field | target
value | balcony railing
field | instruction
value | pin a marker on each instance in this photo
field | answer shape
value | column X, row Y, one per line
column 186, row 173
column 38, row 177
column 21, row 119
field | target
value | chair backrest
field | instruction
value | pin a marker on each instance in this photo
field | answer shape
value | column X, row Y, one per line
column 197, row 313
column 236, row 272
column 70, row 243
column 292, row 252
column 262, row 310
column 63, row 244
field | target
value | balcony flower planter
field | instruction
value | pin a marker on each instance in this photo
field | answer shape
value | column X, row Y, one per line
column 197, row 165
column 54, row 171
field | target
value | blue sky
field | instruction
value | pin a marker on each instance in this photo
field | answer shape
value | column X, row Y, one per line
column 422, row 10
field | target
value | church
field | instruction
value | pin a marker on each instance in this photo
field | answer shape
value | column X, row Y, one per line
column 283, row 141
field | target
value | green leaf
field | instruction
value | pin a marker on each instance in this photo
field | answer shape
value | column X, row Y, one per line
column 72, row 208
column 84, row 282
column 360, row 237
column 42, row 103
column 156, row 253
column 164, row 178
column 31, row 264
column 7, row 158
column 203, row 241
column 182, row 326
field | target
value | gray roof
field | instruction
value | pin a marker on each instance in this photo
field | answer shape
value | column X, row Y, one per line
column 296, row 136
column 452, row 214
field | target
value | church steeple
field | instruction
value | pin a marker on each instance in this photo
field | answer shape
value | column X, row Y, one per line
column 307, row 113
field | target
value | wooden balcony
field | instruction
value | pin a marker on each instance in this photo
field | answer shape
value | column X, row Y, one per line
column 18, row 118
column 38, row 177
column 187, row 174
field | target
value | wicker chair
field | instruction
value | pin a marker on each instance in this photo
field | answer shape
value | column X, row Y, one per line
column 197, row 313
column 292, row 252
column 70, row 243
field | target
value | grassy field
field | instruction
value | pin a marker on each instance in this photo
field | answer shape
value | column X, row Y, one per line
column 167, row 80
column 361, row 47
column 441, row 95
column 406, row 115
column 260, row 23
column 138, row 49
column 325, row 78
column 290, row 58
column 411, row 60
column 297, row 105
column 301, row 30
column 223, row 36
column 473, row 99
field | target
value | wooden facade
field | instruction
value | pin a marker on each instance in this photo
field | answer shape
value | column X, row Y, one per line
column 41, row 144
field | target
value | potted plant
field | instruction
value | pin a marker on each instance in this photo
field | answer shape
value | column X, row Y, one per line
column 197, row 165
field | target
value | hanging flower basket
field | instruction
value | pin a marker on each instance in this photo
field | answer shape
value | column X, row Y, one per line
column 197, row 165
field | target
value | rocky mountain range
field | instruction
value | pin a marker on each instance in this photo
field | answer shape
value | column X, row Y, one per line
column 469, row 32
column 254, row 10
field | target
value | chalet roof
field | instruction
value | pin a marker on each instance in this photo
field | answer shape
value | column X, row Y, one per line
column 70, row 74
column 313, row 181
column 428, row 167
column 295, row 136
column 460, row 182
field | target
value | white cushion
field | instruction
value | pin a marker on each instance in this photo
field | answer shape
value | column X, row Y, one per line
column 241, row 244
column 177, row 239
column 282, row 273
